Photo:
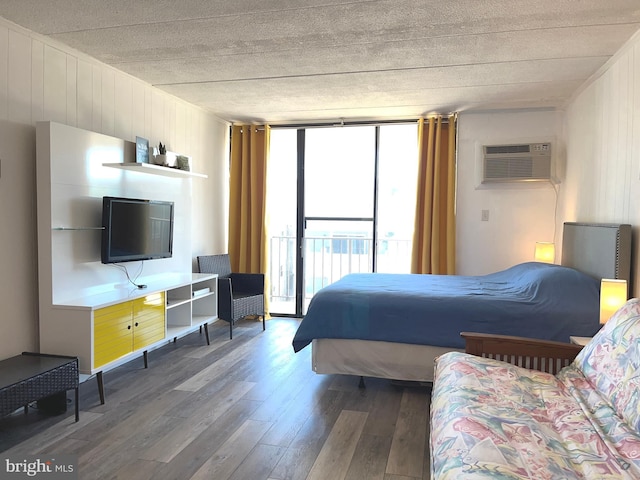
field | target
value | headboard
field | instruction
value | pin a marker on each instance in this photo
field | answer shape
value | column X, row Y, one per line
column 599, row 250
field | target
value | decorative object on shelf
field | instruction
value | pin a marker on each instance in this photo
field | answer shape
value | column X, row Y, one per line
column 182, row 162
column 160, row 158
column 142, row 150
column 167, row 159
column 201, row 291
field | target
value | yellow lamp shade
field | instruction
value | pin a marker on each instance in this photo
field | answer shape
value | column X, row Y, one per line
column 545, row 252
column 613, row 294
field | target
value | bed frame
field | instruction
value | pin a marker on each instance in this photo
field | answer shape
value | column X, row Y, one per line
column 600, row 250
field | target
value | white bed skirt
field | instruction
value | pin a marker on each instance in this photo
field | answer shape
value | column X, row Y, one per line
column 367, row 358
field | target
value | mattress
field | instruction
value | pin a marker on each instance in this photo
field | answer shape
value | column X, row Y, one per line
column 536, row 300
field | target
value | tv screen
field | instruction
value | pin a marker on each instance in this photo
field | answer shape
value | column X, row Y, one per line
column 135, row 229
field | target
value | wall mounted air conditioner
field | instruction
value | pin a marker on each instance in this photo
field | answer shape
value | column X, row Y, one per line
column 528, row 162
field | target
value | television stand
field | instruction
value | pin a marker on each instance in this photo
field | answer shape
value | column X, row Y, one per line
column 115, row 326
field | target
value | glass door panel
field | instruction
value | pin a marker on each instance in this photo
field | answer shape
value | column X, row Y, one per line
column 339, row 179
column 281, row 221
column 396, row 193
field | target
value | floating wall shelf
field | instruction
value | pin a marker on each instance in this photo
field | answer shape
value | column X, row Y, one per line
column 77, row 228
column 155, row 169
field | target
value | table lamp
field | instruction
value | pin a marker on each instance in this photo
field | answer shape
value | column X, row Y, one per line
column 613, row 294
column 545, row 252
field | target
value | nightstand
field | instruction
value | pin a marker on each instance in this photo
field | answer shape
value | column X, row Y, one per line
column 582, row 341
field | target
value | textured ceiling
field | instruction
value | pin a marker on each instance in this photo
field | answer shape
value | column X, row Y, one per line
column 325, row 60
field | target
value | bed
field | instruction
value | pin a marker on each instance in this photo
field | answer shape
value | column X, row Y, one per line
column 392, row 326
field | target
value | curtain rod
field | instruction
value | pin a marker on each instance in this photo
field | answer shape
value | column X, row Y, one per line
column 342, row 123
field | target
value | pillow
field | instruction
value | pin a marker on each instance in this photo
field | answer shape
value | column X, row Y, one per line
column 611, row 362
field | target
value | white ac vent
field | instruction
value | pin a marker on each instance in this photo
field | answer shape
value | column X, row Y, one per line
column 529, row 162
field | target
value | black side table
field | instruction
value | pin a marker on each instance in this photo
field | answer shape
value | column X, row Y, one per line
column 30, row 377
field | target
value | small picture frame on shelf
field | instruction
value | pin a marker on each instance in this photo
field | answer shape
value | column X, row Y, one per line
column 142, row 150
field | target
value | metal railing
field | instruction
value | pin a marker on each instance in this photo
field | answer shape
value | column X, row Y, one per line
column 326, row 260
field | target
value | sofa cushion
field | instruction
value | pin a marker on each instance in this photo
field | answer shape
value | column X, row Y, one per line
column 491, row 419
column 611, row 362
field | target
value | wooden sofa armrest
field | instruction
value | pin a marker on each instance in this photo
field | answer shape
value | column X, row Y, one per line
column 543, row 355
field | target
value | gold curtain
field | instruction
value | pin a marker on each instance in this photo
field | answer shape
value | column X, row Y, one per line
column 434, row 231
column 248, row 250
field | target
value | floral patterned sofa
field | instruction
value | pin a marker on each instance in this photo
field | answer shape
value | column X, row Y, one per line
column 494, row 420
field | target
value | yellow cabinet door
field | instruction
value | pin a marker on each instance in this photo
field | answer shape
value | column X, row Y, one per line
column 148, row 320
column 112, row 333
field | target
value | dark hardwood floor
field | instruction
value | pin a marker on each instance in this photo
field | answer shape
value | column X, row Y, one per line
column 245, row 409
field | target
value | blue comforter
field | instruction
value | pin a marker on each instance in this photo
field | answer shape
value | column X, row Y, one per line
column 535, row 300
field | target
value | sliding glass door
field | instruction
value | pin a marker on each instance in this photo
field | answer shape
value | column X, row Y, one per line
column 340, row 201
column 338, row 227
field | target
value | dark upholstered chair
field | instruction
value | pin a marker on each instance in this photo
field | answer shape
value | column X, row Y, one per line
column 239, row 294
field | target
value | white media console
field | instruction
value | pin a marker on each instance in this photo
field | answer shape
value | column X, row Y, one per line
column 88, row 309
column 108, row 329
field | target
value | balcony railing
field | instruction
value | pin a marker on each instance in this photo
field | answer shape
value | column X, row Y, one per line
column 326, row 260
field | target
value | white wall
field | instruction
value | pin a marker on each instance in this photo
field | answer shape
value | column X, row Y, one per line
column 72, row 180
column 602, row 132
column 519, row 214
column 40, row 81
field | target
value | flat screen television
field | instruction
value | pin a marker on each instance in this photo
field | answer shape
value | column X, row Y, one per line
column 135, row 229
